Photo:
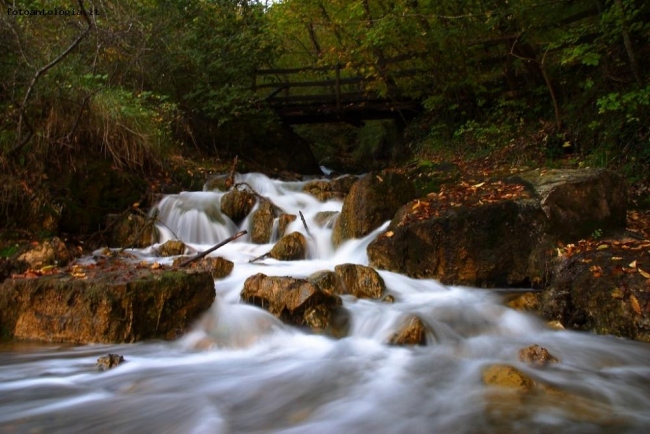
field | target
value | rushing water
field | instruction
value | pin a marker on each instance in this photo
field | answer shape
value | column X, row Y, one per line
column 242, row 371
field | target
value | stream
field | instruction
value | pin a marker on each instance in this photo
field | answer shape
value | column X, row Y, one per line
column 240, row 370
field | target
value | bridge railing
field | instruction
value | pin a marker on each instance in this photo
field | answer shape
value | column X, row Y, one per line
column 336, row 84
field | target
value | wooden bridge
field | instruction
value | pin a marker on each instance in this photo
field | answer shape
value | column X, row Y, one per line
column 336, row 94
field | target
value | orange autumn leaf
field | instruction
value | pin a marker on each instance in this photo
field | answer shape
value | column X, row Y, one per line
column 635, row 305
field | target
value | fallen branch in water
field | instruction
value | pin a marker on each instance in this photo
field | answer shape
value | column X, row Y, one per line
column 259, row 258
column 304, row 223
column 212, row 249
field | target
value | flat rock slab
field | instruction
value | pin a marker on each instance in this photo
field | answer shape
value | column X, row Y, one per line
column 110, row 307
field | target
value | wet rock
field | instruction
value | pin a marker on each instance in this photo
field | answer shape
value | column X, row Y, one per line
column 598, row 291
column 516, row 397
column 507, row 376
column 412, row 332
column 48, row 252
column 578, row 202
column 294, row 301
column 132, row 230
column 526, row 302
column 327, row 281
column 171, row 248
column 330, row 190
column 499, row 244
column 292, row 247
column 360, row 281
column 537, row 356
column 217, row 267
column 262, row 223
column 283, row 222
column 109, row 361
column 372, row 200
column 329, row 321
column 237, row 204
column 111, row 307
column 506, row 243
column 325, row 219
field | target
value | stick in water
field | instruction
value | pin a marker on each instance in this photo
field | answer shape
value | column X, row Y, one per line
column 304, row 223
column 212, row 249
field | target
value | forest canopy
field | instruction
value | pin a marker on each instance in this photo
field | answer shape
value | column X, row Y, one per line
column 135, row 80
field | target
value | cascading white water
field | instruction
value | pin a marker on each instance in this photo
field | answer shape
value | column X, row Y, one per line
column 242, row 371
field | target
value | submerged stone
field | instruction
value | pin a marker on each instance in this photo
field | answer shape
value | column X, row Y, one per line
column 537, row 356
column 412, row 332
column 109, row 361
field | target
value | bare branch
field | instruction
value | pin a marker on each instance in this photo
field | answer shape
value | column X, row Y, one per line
column 32, row 84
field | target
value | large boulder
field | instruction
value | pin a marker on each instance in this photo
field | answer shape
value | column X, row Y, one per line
column 499, row 239
column 498, row 244
column 372, row 200
column 110, row 307
column 579, row 202
column 604, row 290
column 294, row 301
column 292, row 247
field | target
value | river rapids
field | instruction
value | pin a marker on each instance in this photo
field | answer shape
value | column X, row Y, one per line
column 258, row 375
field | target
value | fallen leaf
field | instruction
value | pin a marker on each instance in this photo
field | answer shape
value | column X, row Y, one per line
column 616, row 258
column 643, row 273
column 617, row 294
column 602, row 247
column 389, row 234
column 635, row 305
column 632, row 264
column 478, row 185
